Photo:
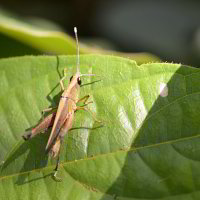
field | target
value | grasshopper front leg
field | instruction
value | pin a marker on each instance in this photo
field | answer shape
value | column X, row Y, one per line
column 61, row 81
column 84, row 100
column 89, row 111
column 83, row 107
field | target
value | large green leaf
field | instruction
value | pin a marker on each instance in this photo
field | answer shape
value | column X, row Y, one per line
column 147, row 148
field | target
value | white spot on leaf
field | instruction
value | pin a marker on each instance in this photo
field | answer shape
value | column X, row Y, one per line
column 163, row 90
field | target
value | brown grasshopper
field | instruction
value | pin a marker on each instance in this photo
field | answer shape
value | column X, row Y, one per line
column 62, row 119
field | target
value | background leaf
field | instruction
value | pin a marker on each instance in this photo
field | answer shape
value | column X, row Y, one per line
column 30, row 36
column 147, row 148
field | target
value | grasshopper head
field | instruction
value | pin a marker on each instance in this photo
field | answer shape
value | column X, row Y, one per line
column 76, row 79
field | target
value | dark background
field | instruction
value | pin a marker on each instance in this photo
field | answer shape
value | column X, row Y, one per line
column 169, row 29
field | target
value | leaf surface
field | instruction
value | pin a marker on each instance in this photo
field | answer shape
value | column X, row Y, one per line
column 145, row 148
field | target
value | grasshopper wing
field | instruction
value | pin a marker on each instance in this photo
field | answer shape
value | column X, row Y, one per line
column 65, row 109
column 55, row 148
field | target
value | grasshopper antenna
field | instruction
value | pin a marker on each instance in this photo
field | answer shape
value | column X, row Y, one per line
column 78, row 55
column 77, row 47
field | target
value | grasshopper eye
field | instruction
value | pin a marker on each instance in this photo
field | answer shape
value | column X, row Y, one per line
column 79, row 80
column 70, row 78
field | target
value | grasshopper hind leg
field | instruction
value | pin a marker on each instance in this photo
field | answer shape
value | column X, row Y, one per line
column 55, row 177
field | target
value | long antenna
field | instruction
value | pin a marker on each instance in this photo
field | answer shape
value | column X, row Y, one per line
column 77, row 47
column 78, row 55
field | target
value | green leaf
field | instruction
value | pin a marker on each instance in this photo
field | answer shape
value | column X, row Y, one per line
column 147, row 148
column 28, row 37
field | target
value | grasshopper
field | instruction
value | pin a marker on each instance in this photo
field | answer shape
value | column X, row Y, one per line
column 61, row 120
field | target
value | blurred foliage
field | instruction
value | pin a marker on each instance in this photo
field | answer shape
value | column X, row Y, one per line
column 25, row 36
column 167, row 29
